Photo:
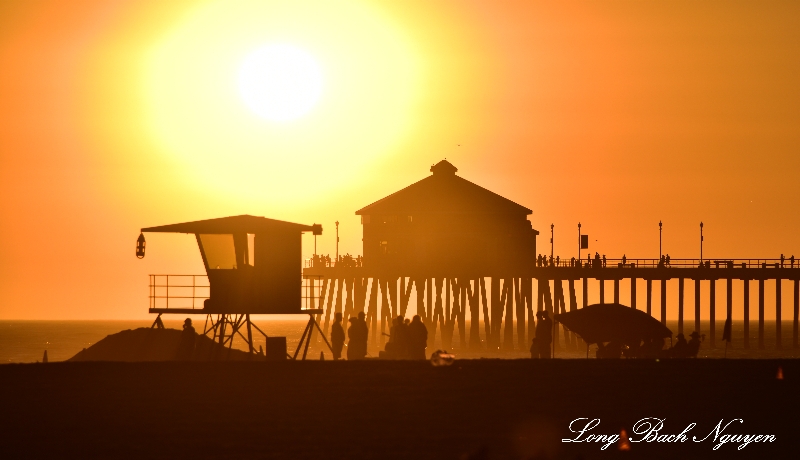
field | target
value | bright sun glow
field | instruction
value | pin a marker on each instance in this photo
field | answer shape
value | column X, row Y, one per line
column 337, row 83
column 280, row 82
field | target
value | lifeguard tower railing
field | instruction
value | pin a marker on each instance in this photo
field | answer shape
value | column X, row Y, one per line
column 179, row 291
column 188, row 292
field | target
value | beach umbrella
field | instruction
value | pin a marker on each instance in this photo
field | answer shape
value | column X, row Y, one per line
column 613, row 322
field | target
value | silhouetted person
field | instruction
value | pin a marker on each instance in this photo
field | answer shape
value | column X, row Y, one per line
column 359, row 341
column 353, row 335
column 600, row 353
column 363, row 333
column 186, row 345
column 418, row 338
column 390, row 348
column 337, row 336
column 681, row 347
column 405, row 342
column 666, row 260
column 544, row 334
column 604, row 261
column 694, row 344
column 624, row 259
column 596, row 260
column 782, row 259
column 534, row 349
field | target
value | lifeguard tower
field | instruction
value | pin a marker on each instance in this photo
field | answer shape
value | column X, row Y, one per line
column 253, row 267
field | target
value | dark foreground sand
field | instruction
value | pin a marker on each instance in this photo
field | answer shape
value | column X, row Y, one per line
column 383, row 409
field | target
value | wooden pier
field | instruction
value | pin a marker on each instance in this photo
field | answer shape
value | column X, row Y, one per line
column 445, row 301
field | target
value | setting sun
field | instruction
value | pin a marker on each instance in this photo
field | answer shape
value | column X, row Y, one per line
column 251, row 95
column 280, row 82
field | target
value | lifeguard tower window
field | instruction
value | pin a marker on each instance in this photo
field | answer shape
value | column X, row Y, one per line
column 251, row 249
column 219, row 250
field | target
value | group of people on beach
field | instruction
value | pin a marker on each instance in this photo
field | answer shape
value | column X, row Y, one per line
column 357, row 333
column 407, row 339
column 652, row 348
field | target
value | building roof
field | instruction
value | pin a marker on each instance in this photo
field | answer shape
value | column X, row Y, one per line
column 444, row 192
column 234, row 224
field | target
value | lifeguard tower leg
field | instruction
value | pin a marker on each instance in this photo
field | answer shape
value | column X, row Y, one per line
column 302, row 339
column 158, row 323
column 249, row 335
column 306, row 337
column 322, row 334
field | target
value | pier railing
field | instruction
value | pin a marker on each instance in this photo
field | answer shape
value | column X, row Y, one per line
column 787, row 262
column 670, row 263
column 179, row 291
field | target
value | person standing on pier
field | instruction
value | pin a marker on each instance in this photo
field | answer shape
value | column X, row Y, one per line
column 544, row 334
column 337, row 337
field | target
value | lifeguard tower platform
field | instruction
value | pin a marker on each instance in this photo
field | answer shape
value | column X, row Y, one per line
column 253, row 267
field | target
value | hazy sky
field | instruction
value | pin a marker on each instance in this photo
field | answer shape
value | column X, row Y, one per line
column 120, row 115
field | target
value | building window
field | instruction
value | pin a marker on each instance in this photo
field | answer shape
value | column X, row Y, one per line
column 410, row 219
column 384, row 247
column 389, row 219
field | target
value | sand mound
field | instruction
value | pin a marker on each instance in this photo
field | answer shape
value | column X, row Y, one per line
column 145, row 344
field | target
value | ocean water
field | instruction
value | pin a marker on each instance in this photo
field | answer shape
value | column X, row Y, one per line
column 26, row 341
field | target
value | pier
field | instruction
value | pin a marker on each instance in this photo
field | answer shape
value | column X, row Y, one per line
column 445, row 301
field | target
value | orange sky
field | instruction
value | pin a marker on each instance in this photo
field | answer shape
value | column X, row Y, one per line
column 115, row 116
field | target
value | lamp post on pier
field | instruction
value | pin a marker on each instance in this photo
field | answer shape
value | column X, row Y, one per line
column 337, row 241
column 660, row 252
column 701, row 241
column 551, row 240
column 579, row 241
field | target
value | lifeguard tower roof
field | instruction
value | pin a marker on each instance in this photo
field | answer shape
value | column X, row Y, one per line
column 443, row 192
column 233, row 224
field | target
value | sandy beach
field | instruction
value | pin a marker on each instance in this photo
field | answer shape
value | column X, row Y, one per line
column 390, row 409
